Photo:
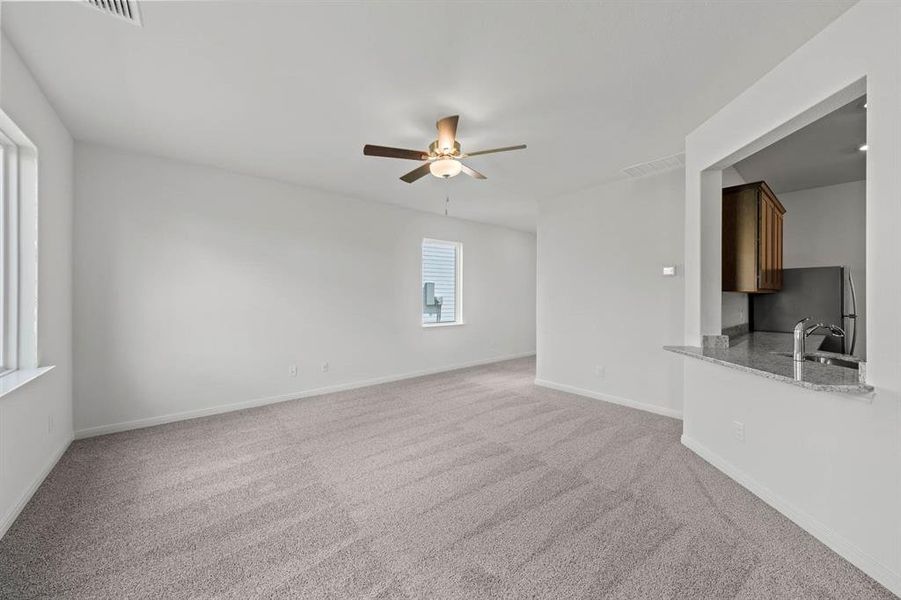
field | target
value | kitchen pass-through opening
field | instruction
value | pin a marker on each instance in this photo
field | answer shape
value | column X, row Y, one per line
column 794, row 233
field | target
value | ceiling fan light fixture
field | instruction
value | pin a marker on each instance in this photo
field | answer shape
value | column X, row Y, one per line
column 445, row 168
column 444, row 155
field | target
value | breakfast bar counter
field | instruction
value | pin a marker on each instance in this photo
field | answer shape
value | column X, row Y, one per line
column 769, row 355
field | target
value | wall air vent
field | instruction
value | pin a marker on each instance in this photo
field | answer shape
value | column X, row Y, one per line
column 661, row 165
column 126, row 10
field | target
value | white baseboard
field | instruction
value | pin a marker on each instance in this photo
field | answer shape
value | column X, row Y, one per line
column 832, row 539
column 660, row 410
column 223, row 408
column 13, row 513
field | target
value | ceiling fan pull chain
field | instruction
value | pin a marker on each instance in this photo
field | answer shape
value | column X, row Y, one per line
column 446, row 195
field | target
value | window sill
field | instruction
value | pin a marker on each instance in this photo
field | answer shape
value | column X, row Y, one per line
column 431, row 325
column 13, row 380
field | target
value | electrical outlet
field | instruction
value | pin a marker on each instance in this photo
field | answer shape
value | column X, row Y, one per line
column 599, row 371
column 325, row 367
column 738, row 428
column 292, row 370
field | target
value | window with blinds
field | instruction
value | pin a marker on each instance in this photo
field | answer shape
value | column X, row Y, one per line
column 441, row 276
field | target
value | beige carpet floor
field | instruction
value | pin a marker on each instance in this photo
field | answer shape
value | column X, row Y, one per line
column 465, row 485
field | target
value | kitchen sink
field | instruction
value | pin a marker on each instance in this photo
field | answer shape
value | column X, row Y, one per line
column 833, row 360
column 827, row 360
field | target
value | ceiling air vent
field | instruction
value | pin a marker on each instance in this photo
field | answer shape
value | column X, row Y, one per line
column 123, row 9
column 661, row 165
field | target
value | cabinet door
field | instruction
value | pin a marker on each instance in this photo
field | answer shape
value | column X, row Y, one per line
column 740, row 230
column 764, row 243
column 777, row 215
column 769, row 245
column 772, row 280
column 751, row 239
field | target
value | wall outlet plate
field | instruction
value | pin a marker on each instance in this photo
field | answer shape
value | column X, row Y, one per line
column 292, row 370
column 669, row 271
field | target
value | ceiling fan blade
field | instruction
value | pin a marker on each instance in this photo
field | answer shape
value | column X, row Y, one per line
column 493, row 150
column 418, row 172
column 387, row 152
column 472, row 172
column 447, row 133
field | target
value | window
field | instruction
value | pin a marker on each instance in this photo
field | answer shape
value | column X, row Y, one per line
column 8, row 194
column 18, row 249
column 442, row 283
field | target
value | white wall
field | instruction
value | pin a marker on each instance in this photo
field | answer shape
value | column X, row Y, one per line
column 732, row 177
column 602, row 300
column 830, row 462
column 827, row 461
column 29, row 445
column 196, row 288
column 827, row 226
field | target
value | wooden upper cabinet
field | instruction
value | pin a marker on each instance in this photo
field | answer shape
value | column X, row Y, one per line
column 752, row 239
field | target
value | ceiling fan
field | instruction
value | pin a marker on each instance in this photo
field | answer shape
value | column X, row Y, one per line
column 443, row 157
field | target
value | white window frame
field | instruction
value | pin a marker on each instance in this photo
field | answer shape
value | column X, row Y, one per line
column 18, row 257
column 458, row 282
column 9, row 263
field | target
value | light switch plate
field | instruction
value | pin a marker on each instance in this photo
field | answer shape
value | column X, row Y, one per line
column 669, row 271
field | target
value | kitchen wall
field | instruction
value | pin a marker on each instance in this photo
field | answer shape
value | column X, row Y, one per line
column 830, row 462
column 604, row 309
column 196, row 288
column 735, row 309
column 827, row 226
column 36, row 419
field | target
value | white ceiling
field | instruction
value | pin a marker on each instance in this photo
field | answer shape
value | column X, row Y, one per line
column 292, row 90
column 826, row 152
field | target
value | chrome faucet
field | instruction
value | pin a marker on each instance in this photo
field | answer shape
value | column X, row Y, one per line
column 801, row 332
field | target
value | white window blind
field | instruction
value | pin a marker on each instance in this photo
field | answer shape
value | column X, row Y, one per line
column 440, row 282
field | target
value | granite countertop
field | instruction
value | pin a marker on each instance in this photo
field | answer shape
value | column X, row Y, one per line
column 756, row 353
